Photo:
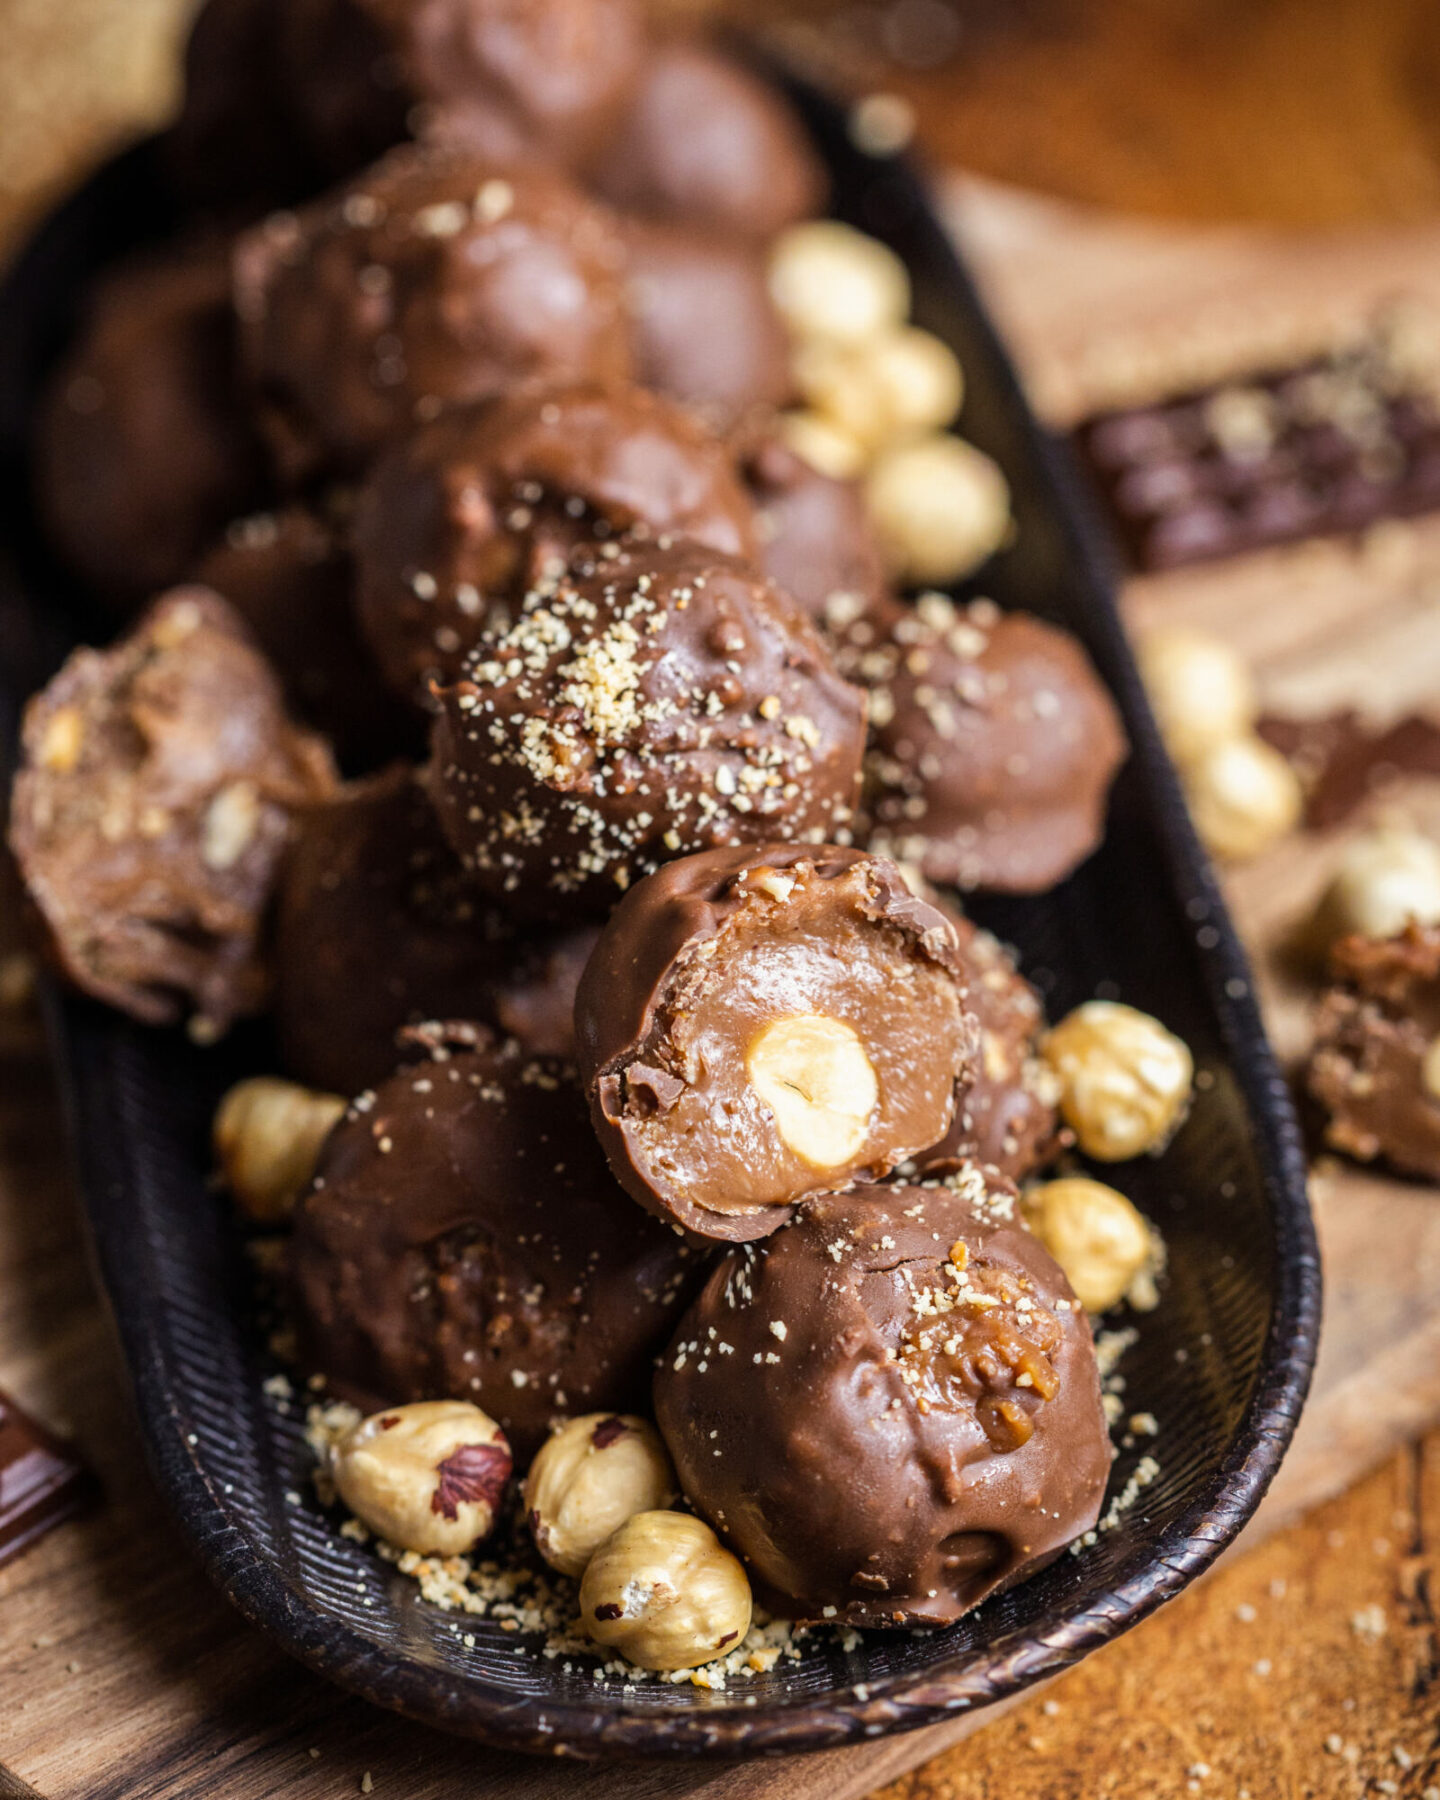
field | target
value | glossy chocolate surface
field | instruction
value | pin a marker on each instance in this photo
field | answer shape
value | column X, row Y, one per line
column 465, row 1239
column 704, row 958
column 890, row 1408
column 661, row 699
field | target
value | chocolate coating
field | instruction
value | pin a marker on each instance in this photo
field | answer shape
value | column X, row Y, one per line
column 143, row 450
column 704, row 958
column 869, row 1429
column 290, row 577
column 1374, row 1030
column 704, row 328
column 476, row 507
column 1007, row 1114
column 662, row 699
column 465, row 1239
column 437, row 276
column 377, row 928
column 151, row 810
column 993, row 745
column 515, row 79
column 706, row 143
column 816, row 539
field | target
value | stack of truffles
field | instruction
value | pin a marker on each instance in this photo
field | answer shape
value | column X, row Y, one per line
column 546, row 731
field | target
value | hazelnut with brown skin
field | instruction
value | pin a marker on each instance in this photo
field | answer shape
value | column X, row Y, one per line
column 426, row 1477
column 588, row 1479
column 666, row 1593
column 268, row 1134
column 1125, row 1080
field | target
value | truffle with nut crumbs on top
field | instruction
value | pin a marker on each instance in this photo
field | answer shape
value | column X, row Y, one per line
column 464, row 1237
column 152, row 806
column 435, row 277
column 472, row 511
column 659, row 699
column 532, row 80
column 891, row 1408
column 144, row 449
column 290, row 576
column 1375, row 1067
column 706, row 143
column 759, row 1025
column 993, row 743
column 1006, row 1114
column 378, row 927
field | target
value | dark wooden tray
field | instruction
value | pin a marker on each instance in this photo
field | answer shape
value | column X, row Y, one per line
column 1223, row 1364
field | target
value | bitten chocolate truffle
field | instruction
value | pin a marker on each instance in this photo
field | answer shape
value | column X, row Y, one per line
column 760, row 1024
column 151, row 810
column 143, row 449
column 377, row 927
column 704, row 328
column 465, row 1239
column 891, row 1408
column 661, row 699
column 815, row 535
column 491, row 499
column 993, row 745
column 1007, row 1116
column 533, row 80
column 290, row 576
column 706, row 143
column 1375, row 1069
column 437, row 276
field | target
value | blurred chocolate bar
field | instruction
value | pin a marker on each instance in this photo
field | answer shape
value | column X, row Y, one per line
column 1342, row 762
column 42, row 1481
column 1332, row 445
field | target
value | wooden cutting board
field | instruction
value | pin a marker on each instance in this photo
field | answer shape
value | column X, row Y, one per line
column 122, row 1674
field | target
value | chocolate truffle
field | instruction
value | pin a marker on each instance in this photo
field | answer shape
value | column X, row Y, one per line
column 706, row 143
column 143, row 450
column 151, row 809
column 465, row 1239
column 815, row 535
column 435, row 277
column 661, row 699
column 492, row 497
column 1374, row 1066
column 891, row 1408
column 993, row 745
column 532, row 80
column 704, row 328
column 1007, row 1115
column 290, row 577
column 377, row 928
column 760, row 1024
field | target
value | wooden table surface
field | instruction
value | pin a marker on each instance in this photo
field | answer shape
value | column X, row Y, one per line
column 1308, row 1665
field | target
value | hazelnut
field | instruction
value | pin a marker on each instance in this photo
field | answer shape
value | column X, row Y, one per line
column 1383, row 880
column 940, row 507
column 665, row 1592
column 1200, row 690
column 1099, row 1239
column 267, row 1135
column 426, row 1477
column 588, row 1479
column 1124, row 1079
column 813, row 1074
column 1243, row 795
column 62, row 740
column 822, row 443
column 885, row 391
column 830, row 281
